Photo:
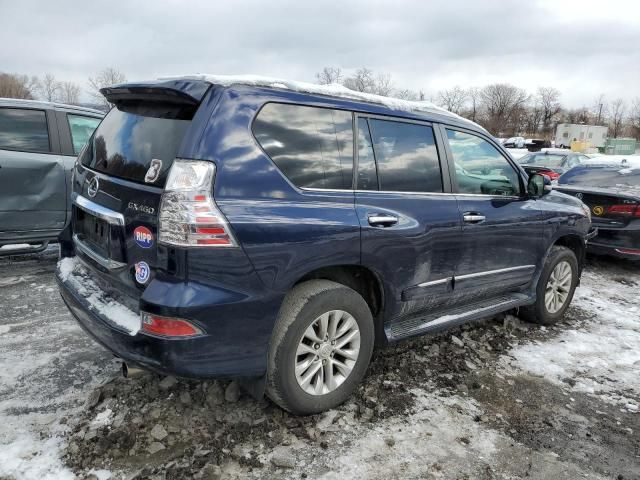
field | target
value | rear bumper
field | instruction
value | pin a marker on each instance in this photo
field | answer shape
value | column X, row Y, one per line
column 620, row 243
column 614, row 251
column 235, row 345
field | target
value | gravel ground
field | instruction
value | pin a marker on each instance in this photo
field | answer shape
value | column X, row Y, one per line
column 499, row 399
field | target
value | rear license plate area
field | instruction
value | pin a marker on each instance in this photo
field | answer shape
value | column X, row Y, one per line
column 93, row 230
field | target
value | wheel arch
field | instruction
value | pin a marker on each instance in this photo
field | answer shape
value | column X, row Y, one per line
column 575, row 243
column 361, row 279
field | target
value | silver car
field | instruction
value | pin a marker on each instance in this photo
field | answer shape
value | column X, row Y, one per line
column 39, row 142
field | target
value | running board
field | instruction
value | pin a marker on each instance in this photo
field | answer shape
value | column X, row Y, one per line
column 442, row 320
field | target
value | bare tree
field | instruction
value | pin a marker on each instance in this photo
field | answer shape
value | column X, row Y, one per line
column 502, row 104
column 549, row 106
column 406, row 94
column 634, row 118
column 473, row 94
column 18, row 86
column 452, row 99
column 329, row 75
column 362, row 81
column 382, row 84
column 49, row 88
column 70, row 93
column 600, row 109
column 616, row 121
column 107, row 77
column 533, row 117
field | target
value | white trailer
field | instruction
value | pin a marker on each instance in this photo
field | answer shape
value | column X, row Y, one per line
column 568, row 132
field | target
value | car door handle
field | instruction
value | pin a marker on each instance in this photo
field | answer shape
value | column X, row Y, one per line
column 473, row 217
column 382, row 220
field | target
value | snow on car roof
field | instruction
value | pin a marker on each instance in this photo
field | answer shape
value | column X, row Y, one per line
column 614, row 160
column 333, row 90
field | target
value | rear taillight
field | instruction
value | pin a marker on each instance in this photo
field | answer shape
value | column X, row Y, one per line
column 626, row 210
column 551, row 174
column 188, row 215
column 168, row 326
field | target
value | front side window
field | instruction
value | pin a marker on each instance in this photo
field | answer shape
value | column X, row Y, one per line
column 81, row 128
column 480, row 167
column 23, row 130
column 313, row 147
column 406, row 156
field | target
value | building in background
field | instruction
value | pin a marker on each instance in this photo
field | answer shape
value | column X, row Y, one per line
column 592, row 135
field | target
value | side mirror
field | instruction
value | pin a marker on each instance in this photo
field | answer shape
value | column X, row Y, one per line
column 538, row 185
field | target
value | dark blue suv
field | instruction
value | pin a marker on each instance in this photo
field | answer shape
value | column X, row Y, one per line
column 277, row 231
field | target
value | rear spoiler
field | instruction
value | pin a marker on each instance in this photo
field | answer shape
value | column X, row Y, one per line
column 182, row 92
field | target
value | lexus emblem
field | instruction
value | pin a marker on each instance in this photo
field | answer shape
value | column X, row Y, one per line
column 579, row 195
column 93, row 187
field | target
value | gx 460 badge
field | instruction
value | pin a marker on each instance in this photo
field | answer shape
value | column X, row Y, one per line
column 143, row 237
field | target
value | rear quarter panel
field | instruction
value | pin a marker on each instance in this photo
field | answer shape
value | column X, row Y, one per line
column 285, row 231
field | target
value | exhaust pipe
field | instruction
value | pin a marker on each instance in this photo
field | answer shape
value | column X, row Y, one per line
column 131, row 372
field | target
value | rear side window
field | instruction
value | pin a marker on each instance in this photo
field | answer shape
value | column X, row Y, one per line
column 81, row 128
column 313, row 147
column 131, row 136
column 406, row 156
column 24, row 130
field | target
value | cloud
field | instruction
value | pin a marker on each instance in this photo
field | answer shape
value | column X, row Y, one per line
column 583, row 48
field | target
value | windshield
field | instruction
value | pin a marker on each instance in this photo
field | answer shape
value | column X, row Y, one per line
column 606, row 177
column 543, row 160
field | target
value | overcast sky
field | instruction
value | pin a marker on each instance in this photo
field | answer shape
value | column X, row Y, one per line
column 583, row 48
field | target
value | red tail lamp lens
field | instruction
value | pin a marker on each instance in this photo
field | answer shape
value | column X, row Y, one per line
column 168, row 326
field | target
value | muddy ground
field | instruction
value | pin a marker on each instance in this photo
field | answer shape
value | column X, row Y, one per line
column 445, row 406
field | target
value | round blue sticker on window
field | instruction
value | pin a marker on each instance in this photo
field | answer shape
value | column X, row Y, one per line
column 142, row 272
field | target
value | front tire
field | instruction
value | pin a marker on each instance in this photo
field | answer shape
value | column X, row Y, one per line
column 556, row 287
column 320, row 348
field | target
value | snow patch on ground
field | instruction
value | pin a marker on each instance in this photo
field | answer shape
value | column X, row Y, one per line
column 30, row 458
column 602, row 356
column 71, row 270
column 441, row 431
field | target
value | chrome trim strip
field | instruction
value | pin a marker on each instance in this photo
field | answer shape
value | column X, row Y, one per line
column 99, row 259
column 493, row 272
column 434, row 282
column 99, row 211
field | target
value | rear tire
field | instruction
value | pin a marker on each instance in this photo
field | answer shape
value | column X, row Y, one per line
column 555, row 289
column 307, row 374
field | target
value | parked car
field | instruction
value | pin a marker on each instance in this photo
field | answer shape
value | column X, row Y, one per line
column 273, row 232
column 536, row 144
column 552, row 163
column 39, row 142
column 612, row 192
column 514, row 142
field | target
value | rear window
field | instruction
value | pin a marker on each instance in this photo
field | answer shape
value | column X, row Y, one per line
column 312, row 147
column 606, row 177
column 81, row 128
column 23, row 130
column 133, row 135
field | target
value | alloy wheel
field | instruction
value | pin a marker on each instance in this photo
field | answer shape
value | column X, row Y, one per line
column 558, row 287
column 327, row 352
